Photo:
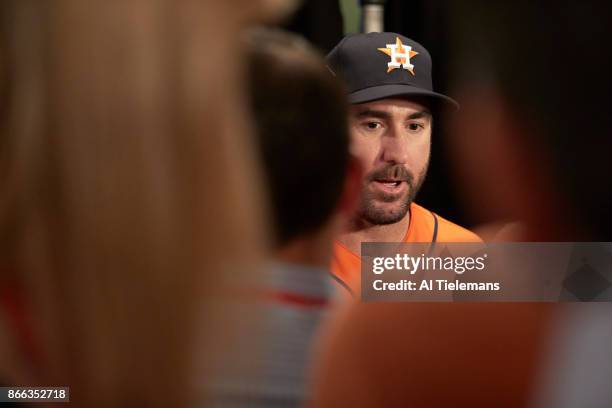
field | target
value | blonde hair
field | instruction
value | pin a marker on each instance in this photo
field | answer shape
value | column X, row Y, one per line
column 127, row 185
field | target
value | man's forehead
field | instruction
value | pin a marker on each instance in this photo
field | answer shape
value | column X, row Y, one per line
column 393, row 105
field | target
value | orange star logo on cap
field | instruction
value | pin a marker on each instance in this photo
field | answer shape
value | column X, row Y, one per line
column 400, row 56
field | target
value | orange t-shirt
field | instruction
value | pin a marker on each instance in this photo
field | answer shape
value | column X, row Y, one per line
column 425, row 226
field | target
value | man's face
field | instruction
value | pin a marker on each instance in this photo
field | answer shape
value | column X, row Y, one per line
column 391, row 139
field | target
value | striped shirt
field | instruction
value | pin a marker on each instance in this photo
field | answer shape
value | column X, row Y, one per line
column 291, row 303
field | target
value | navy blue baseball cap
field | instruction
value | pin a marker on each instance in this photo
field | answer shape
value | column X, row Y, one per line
column 383, row 65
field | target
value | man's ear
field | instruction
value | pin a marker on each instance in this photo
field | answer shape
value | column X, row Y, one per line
column 349, row 199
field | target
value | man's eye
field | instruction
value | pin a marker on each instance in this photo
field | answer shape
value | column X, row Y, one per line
column 415, row 126
column 373, row 125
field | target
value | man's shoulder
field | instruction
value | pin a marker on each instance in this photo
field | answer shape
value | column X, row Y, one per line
column 449, row 231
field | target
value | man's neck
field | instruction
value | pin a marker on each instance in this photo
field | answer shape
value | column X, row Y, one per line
column 362, row 231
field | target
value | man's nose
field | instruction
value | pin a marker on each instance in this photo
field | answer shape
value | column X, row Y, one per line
column 394, row 147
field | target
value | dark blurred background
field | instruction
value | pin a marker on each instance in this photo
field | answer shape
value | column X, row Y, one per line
column 324, row 22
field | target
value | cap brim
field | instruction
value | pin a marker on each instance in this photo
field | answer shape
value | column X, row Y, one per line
column 374, row 93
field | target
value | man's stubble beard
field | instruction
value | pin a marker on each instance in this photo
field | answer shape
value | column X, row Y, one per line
column 374, row 215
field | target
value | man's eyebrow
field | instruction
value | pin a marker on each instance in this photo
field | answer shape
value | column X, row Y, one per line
column 375, row 113
column 372, row 113
column 418, row 115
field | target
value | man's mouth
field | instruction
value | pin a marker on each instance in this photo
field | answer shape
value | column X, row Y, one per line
column 390, row 183
column 389, row 186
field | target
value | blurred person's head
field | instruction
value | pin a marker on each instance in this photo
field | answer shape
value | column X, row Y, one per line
column 533, row 135
column 127, row 187
column 389, row 84
column 300, row 113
